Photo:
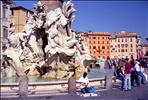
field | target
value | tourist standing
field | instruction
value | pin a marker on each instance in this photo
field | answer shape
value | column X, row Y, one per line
column 137, row 68
column 127, row 80
column 109, row 62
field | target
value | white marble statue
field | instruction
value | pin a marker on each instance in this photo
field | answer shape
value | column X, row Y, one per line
column 47, row 44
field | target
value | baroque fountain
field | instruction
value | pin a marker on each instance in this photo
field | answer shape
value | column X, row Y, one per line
column 47, row 46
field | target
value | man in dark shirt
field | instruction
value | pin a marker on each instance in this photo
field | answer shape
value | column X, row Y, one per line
column 120, row 75
column 127, row 80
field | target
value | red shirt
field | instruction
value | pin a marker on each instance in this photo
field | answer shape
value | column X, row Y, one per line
column 128, row 67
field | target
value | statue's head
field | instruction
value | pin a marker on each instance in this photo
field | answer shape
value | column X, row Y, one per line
column 13, row 40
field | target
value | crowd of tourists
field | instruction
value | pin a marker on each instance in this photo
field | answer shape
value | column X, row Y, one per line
column 130, row 72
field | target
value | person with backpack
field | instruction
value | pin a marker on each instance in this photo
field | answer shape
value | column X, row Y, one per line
column 83, row 80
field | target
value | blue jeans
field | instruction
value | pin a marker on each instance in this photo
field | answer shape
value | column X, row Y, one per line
column 142, row 78
column 122, row 79
column 85, row 90
column 127, row 82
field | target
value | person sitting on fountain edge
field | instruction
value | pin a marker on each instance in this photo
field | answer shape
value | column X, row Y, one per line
column 120, row 75
column 83, row 80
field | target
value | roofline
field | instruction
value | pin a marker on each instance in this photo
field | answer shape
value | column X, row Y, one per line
column 99, row 35
column 17, row 7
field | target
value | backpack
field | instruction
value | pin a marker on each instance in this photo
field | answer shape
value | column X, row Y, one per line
column 92, row 89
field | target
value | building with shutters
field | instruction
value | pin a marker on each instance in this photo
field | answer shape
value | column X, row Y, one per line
column 124, row 44
column 18, row 17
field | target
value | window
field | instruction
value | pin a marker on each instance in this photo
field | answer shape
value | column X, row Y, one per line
column 103, row 52
column 122, row 40
column 118, row 40
column 90, row 47
column 89, row 37
column 11, row 12
column 126, row 50
column 12, row 21
column 90, row 42
column 5, row 11
column 27, row 14
column 99, row 47
column 98, row 42
column 111, row 46
column 131, row 40
column 125, row 40
column 107, row 42
column 118, row 45
column 94, row 37
column 5, row 33
column 122, row 45
column 98, row 37
column 122, row 50
column 131, row 45
column 102, row 42
column 94, row 42
column 131, row 50
column 94, row 52
column 102, row 37
column 118, row 50
column 107, row 47
column 94, row 47
column 126, row 45
column 103, row 47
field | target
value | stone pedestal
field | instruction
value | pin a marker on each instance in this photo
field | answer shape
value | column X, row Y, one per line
column 23, row 88
column 108, row 82
column 72, row 85
column 52, row 4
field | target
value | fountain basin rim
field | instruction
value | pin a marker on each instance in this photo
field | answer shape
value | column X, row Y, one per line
column 47, row 83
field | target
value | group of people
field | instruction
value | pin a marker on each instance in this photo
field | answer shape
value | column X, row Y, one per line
column 131, row 72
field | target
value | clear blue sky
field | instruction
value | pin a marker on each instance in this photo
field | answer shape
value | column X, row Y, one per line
column 108, row 16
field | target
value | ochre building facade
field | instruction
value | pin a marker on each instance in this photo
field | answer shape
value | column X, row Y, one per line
column 19, row 16
column 99, row 44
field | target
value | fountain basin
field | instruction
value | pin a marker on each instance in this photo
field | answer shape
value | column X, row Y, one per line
column 94, row 73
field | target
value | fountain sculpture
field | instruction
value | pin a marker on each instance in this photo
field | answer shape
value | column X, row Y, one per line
column 47, row 46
